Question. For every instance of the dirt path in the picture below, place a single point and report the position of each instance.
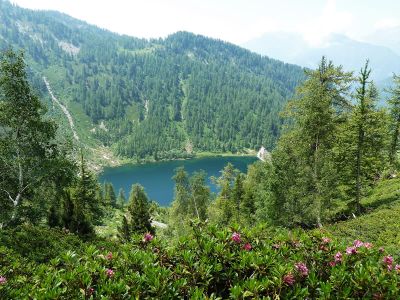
(64, 109)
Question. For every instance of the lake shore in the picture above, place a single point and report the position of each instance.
(99, 167)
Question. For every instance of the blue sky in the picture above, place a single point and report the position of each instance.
(236, 21)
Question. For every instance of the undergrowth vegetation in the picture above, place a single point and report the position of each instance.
(209, 263)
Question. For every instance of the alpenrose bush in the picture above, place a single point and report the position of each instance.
(213, 263)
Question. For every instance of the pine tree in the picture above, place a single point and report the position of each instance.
(121, 200)
(361, 142)
(303, 159)
(238, 196)
(124, 231)
(86, 207)
(200, 195)
(181, 202)
(394, 105)
(138, 209)
(109, 195)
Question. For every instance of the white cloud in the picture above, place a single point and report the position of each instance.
(387, 23)
(329, 21)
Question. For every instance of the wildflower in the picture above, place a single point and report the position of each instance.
(389, 267)
(351, 250)
(326, 240)
(247, 247)
(301, 268)
(109, 256)
(3, 280)
(397, 268)
(148, 237)
(388, 260)
(109, 273)
(368, 245)
(338, 257)
(358, 244)
(236, 237)
(289, 279)
(332, 263)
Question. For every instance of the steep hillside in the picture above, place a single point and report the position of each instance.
(151, 99)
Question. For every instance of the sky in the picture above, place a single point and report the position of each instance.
(236, 21)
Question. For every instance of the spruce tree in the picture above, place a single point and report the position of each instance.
(394, 106)
(138, 209)
(360, 152)
(303, 160)
(124, 231)
(121, 200)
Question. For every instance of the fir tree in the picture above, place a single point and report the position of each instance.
(394, 105)
(138, 209)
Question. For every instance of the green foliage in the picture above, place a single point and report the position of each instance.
(109, 195)
(303, 159)
(154, 99)
(207, 263)
(38, 244)
(32, 162)
(82, 208)
(138, 209)
(394, 105)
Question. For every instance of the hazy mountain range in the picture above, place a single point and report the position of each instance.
(382, 49)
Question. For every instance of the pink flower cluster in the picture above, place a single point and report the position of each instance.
(301, 268)
(388, 261)
(351, 250)
(247, 247)
(148, 237)
(338, 258)
(109, 273)
(289, 279)
(3, 280)
(236, 237)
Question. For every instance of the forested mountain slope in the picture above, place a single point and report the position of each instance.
(156, 99)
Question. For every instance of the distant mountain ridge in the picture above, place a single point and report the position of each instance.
(151, 99)
(339, 48)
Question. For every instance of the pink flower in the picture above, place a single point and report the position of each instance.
(289, 279)
(236, 237)
(326, 240)
(351, 250)
(301, 268)
(388, 260)
(368, 245)
(338, 257)
(332, 263)
(148, 237)
(389, 267)
(247, 247)
(109, 273)
(358, 244)
(397, 268)
(109, 256)
(3, 280)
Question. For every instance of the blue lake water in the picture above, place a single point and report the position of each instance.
(156, 178)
